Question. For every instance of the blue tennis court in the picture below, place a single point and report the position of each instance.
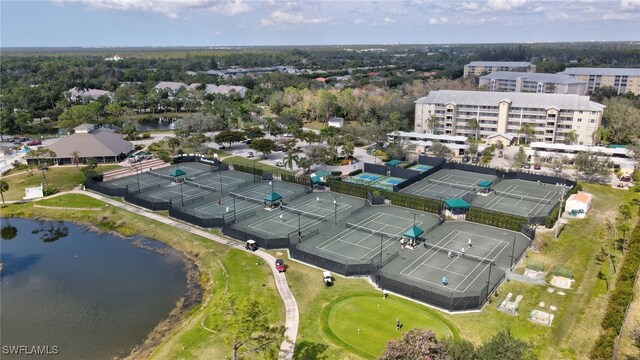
(391, 181)
(367, 176)
(420, 167)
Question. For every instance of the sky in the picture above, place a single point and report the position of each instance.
(111, 23)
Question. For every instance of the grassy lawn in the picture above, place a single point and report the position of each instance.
(248, 162)
(247, 275)
(72, 201)
(315, 125)
(61, 177)
(365, 323)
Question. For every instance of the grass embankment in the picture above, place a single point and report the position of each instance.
(577, 318)
(315, 125)
(188, 339)
(250, 163)
(62, 178)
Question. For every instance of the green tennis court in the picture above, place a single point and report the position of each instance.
(521, 197)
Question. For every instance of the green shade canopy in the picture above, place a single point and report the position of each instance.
(457, 203)
(315, 180)
(177, 172)
(393, 162)
(413, 232)
(484, 183)
(322, 173)
(274, 196)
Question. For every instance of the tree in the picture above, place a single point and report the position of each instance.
(229, 136)
(592, 164)
(504, 346)
(459, 349)
(4, 187)
(245, 327)
(8, 232)
(265, 146)
(570, 137)
(621, 118)
(527, 130)
(440, 150)
(290, 160)
(78, 114)
(635, 150)
(89, 170)
(173, 143)
(253, 132)
(601, 135)
(75, 158)
(474, 124)
(348, 149)
(433, 122)
(45, 158)
(414, 344)
(271, 126)
(129, 129)
(519, 159)
(304, 163)
(473, 149)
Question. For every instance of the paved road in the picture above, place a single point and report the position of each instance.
(291, 306)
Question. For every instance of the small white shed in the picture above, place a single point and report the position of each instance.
(578, 205)
(336, 122)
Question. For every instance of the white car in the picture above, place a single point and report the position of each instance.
(280, 164)
(250, 154)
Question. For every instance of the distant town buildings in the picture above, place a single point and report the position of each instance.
(174, 87)
(114, 58)
(77, 94)
(551, 117)
(479, 68)
(507, 81)
(623, 80)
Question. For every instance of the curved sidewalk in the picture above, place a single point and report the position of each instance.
(290, 304)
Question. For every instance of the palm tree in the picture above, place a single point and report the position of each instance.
(4, 186)
(348, 149)
(304, 163)
(432, 122)
(290, 160)
(570, 137)
(475, 125)
(271, 126)
(75, 158)
(527, 130)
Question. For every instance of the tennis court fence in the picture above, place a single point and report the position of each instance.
(453, 185)
(264, 242)
(182, 213)
(332, 263)
(525, 197)
(147, 202)
(304, 213)
(106, 190)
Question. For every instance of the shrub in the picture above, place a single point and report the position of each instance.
(146, 136)
(49, 191)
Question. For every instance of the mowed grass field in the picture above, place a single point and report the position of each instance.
(364, 323)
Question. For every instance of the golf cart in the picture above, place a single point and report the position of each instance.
(327, 278)
(251, 245)
(280, 265)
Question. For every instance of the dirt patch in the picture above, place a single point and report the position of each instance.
(67, 208)
(561, 282)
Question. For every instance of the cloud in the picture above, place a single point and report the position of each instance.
(612, 15)
(470, 6)
(389, 21)
(280, 18)
(442, 20)
(629, 3)
(505, 4)
(477, 21)
(171, 9)
(358, 21)
(539, 8)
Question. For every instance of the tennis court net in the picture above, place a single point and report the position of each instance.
(525, 197)
(455, 185)
(257, 201)
(161, 176)
(451, 252)
(371, 231)
(304, 213)
(200, 186)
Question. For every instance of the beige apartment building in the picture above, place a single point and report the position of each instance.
(551, 116)
(507, 81)
(623, 80)
(479, 68)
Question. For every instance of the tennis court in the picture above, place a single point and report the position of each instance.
(441, 258)
(363, 178)
(521, 197)
(363, 235)
(221, 180)
(420, 167)
(446, 184)
(315, 210)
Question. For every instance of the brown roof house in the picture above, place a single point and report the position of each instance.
(102, 144)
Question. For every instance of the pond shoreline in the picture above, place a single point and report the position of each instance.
(193, 297)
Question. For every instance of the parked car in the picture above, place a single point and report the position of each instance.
(34, 142)
(23, 139)
(279, 163)
(250, 154)
(222, 147)
(466, 159)
(280, 148)
(526, 166)
(557, 168)
(475, 159)
(537, 167)
(248, 141)
(280, 265)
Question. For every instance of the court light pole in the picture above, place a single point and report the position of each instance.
(489, 279)
(138, 178)
(299, 228)
(380, 250)
(220, 172)
(513, 248)
(234, 208)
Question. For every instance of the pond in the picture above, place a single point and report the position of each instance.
(81, 294)
(155, 124)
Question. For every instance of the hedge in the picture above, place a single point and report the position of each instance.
(348, 189)
(296, 179)
(355, 172)
(553, 216)
(505, 221)
(621, 297)
(408, 165)
(247, 169)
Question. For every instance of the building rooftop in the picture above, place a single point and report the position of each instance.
(98, 143)
(602, 71)
(429, 136)
(500, 63)
(171, 85)
(538, 77)
(530, 100)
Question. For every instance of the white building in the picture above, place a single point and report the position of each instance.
(87, 95)
(171, 86)
(578, 205)
(423, 141)
(533, 83)
(550, 116)
(618, 155)
(623, 80)
(336, 122)
(221, 89)
(479, 68)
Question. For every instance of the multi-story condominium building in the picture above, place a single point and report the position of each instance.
(623, 80)
(549, 116)
(533, 83)
(479, 68)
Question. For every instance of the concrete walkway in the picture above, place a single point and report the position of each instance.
(290, 304)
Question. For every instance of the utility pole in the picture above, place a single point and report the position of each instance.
(335, 209)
